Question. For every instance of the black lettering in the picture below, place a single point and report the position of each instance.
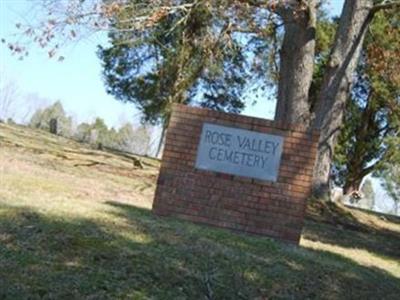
(253, 145)
(228, 157)
(250, 160)
(228, 140)
(243, 157)
(267, 147)
(208, 137)
(214, 138)
(210, 153)
(217, 138)
(275, 146)
(240, 141)
(220, 155)
(236, 158)
(264, 161)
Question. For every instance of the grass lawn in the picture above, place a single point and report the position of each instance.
(76, 223)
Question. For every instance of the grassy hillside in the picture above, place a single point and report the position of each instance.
(75, 223)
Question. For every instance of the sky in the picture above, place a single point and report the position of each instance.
(76, 81)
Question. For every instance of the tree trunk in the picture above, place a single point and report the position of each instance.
(296, 63)
(351, 186)
(357, 159)
(162, 139)
(354, 177)
(328, 111)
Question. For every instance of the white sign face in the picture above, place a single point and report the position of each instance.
(239, 152)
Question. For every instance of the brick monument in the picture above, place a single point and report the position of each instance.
(237, 172)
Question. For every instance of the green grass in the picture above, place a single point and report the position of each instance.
(71, 230)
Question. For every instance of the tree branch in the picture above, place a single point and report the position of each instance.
(385, 5)
(368, 170)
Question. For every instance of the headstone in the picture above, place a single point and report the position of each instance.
(53, 126)
(93, 136)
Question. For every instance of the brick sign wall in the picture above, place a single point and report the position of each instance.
(236, 172)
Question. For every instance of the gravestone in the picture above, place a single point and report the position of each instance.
(53, 126)
(237, 172)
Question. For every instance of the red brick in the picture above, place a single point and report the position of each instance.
(238, 203)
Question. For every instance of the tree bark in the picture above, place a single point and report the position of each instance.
(356, 166)
(328, 111)
(162, 139)
(296, 62)
(351, 186)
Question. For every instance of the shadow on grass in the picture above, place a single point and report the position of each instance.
(391, 218)
(329, 223)
(143, 256)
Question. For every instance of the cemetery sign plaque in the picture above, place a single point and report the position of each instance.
(239, 152)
